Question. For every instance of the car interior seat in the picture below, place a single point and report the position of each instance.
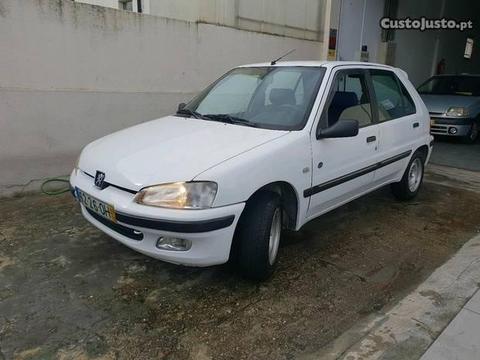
(341, 101)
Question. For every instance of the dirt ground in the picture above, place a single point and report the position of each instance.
(68, 291)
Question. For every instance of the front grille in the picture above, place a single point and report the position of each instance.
(439, 129)
(122, 230)
(107, 184)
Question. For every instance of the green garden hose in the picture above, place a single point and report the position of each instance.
(58, 189)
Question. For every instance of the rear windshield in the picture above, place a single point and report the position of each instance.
(267, 97)
(451, 85)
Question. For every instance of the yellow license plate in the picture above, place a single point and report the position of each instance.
(97, 206)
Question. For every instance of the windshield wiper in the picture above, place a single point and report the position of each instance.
(217, 117)
(192, 113)
(230, 119)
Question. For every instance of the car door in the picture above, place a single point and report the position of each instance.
(398, 124)
(342, 167)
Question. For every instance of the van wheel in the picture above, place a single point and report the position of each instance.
(258, 236)
(411, 181)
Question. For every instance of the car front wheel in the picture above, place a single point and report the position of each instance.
(412, 179)
(472, 135)
(258, 236)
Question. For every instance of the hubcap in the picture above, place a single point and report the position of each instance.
(275, 232)
(415, 175)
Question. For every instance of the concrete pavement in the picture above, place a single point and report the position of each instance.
(451, 152)
(461, 338)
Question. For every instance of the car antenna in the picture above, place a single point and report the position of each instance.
(281, 57)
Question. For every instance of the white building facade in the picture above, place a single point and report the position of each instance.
(140, 6)
(303, 19)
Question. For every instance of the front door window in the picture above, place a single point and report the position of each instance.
(350, 99)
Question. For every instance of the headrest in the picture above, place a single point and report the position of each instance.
(344, 99)
(282, 97)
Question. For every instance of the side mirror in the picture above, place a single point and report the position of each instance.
(181, 106)
(341, 129)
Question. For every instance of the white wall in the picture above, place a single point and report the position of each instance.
(221, 12)
(348, 41)
(295, 18)
(107, 3)
(298, 18)
(359, 25)
(372, 33)
(114, 4)
(70, 73)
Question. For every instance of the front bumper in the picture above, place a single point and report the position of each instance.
(139, 227)
(451, 126)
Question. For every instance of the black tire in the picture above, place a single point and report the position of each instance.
(472, 136)
(253, 234)
(402, 190)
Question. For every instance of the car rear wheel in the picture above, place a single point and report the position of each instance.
(258, 236)
(412, 179)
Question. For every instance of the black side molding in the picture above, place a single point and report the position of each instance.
(394, 159)
(338, 181)
(353, 175)
(177, 226)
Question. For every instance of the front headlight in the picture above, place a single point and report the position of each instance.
(181, 195)
(457, 111)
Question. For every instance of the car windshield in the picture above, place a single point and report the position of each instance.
(451, 85)
(267, 97)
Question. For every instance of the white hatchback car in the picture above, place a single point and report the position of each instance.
(264, 148)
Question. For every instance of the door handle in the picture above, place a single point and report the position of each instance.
(415, 125)
(371, 139)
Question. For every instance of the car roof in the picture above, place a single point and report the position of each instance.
(329, 64)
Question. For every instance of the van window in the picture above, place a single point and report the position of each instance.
(393, 99)
(350, 99)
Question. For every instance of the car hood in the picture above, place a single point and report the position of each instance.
(169, 149)
(441, 103)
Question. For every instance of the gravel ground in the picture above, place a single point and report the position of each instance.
(67, 291)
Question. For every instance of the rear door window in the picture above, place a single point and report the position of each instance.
(392, 97)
